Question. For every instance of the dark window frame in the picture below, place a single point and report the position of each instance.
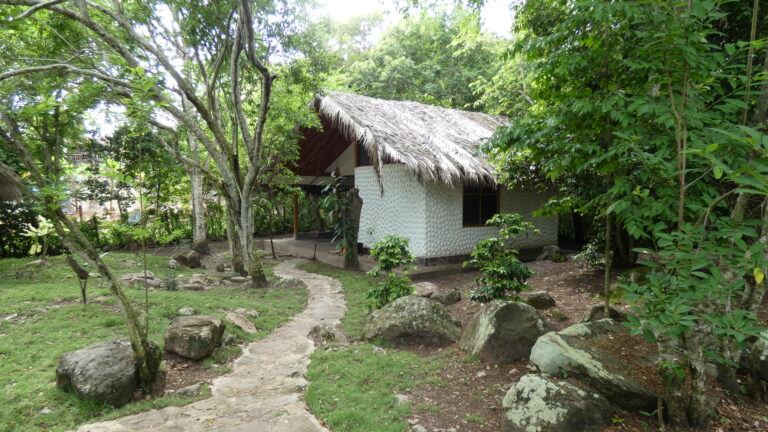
(484, 193)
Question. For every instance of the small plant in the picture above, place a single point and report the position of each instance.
(591, 256)
(40, 236)
(390, 253)
(501, 270)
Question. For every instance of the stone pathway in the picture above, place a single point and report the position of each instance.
(263, 392)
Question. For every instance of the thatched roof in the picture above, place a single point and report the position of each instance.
(8, 189)
(437, 144)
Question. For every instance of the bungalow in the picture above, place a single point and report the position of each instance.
(419, 172)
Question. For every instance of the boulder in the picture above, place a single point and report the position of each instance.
(589, 352)
(424, 289)
(503, 332)
(191, 259)
(446, 296)
(138, 278)
(189, 391)
(597, 312)
(412, 318)
(756, 364)
(242, 322)
(538, 299)
(537, 404)
(323, 334)
(104, 372)
(173, 264)
(187, 311)
(552, 253)
(195, 336)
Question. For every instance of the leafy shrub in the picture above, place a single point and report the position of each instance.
(501, 270)
(591, 256)
(390, 253)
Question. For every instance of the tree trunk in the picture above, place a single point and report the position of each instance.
(355, 207)
(199, 238)
(608, 264)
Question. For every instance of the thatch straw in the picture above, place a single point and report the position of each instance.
(436, 144)
(8, 189)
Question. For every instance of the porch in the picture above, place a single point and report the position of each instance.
(323, 251)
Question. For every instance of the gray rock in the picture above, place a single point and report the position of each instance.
(538, 299)
(195, 336)
(238, 279)
(189, 391)
(597, 312)
(424, 289)
(503, 332)
(756, 363)
(552, 253)
(323, 334)
(402, 399)
(534, 404)
(193, 286)
(418, 428)
(288, 283)
(187, 311)
(242, 322)
(104, 372)
(228, 339)
(173, 264)
(412, 318)
(46, 411)
(190, 259)
(575, 352)
(446, 296)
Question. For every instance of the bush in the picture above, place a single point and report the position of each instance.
(390, 253)
(501, 270)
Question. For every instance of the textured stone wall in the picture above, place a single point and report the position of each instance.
(447, 237)
(429, 215)
(399, 211)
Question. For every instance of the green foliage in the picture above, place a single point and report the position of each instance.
(388, 291)
(390, 253)
(432, 57)
(40, 234)
(339, 209)
(640, 112)
(501, 271)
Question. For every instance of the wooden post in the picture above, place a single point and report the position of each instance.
(295, 213)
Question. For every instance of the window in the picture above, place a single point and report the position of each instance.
(480, 204)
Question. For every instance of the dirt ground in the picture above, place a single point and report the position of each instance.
(469, 394)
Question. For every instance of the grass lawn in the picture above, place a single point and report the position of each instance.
(50, 321)
(353, 389)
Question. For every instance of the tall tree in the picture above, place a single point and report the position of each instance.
(139, 53)
(654, 100)
(433, 57)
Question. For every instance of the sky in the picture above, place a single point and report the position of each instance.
(495, 15)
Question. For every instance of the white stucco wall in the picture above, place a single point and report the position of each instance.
(430, 215)
(447, 237)
(400, 211)
(345, 163)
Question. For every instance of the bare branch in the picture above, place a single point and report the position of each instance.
(28, 13)
(67, 68)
